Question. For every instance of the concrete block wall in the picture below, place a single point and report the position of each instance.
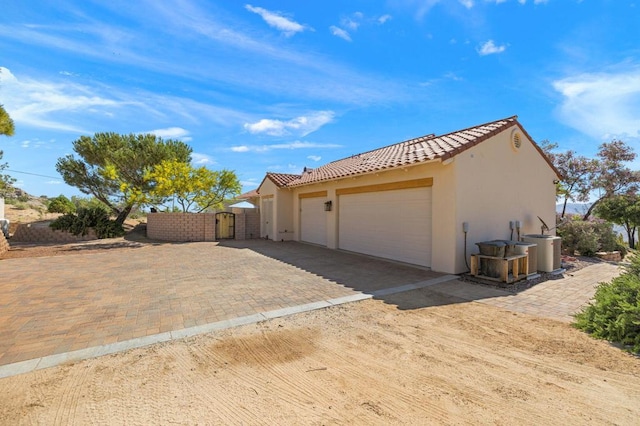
(181, 226)
(240, 225)
(199, 226)
(42, 233)
(252, 224)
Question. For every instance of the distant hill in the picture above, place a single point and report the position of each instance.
(574, 208)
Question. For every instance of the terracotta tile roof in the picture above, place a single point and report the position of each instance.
(412, 151)
(281, 179)
(250, 194)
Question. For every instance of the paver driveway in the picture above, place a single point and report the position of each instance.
(53, 305)
(138, 296)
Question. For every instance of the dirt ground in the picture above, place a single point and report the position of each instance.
(363, 363)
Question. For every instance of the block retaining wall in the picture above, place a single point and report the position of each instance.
(42, 233)
(4, 244)
(200, 226)
(614, 256)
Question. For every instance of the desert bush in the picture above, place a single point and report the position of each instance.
(614, 314)
(588, 237)
(86, 218)
(20, 205)
(61, 204)
(89, 203)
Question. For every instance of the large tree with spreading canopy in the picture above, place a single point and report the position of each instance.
(114, 168)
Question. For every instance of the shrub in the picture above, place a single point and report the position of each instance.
(86, 218)
(19, 205)
(88, 203)
(614, 314)
(588, 237)
(61, 204)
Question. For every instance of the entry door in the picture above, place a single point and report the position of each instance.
(225, 226)
(266, 213)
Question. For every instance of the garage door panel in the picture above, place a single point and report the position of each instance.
(313, 221)
(391, 224)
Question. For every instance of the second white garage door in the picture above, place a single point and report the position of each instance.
(313, 220)
(390, 224)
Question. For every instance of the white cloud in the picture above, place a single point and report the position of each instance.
(384, 18)
(172, 133)
(301, 126)
(33, 103)
(53, 182)
(466, 3)
(350, 24)
(339, 32)
(288, 146)
(602, 105)
(201, 159)
(69, 106)
(490, 48)
(277, 20)
(315, 158)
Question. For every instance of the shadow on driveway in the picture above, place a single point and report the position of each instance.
(361, 273)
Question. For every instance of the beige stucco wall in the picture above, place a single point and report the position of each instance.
(486, 186)
(496, 184)
(281, 226)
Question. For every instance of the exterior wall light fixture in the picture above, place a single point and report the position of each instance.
(327, 206)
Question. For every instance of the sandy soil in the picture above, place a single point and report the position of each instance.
(364, 363)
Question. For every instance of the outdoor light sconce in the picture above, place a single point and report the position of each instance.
(327, 206)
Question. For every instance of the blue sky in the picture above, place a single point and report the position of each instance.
(280, 85)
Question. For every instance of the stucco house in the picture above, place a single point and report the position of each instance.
(413, 201)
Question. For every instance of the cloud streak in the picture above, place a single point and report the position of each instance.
(602, 105)
(301, 126)
(277, 20)
(286, 146)
(490, 48)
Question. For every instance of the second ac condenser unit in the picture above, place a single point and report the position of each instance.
(549, 251)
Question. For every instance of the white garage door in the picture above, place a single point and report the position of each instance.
(313, 220)
(390, 224)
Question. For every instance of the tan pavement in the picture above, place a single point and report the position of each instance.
(53, 305)
(556, 298)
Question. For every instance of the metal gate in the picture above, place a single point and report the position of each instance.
(225, 226)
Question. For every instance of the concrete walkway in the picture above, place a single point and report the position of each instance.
(60, 309)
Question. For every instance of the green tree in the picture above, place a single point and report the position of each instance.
(198, 188)
(6, 181)
(612, 176)
(113, 168)
(6, 123)
(622, 210)
(577, 173)
(61, 204)
(6, 128)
